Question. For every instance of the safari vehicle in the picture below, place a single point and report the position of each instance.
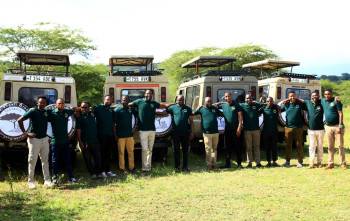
(277, 83)
(212, 77)
(132, 76)
(38, 74)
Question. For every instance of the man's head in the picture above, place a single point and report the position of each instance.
(315, 96)
(42, 102)
(149, 95)
(228, 97)
(207, 101)
(125, 100)
(107, 100)
(249, 98)
(60, 104)
(292, 96)
(269, 101)
(180, 100)
(328, 94)
(84, 106)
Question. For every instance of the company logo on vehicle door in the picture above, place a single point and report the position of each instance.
(9, 113)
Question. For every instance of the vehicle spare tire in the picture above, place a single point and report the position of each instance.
(163, 124)
(71, 122)
(261, 121)
(282, 116)
(9, 128)
(221, 125)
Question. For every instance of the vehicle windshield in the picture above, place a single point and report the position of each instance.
(304, 94)
(237, 94)
(134, 94)
(29, 95)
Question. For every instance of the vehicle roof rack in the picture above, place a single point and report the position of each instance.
(271, 64)
(208, 61)
(138, 73)
(294, 75)
(43, 58)
(130, 60)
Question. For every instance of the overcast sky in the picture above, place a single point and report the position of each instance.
(316, 33)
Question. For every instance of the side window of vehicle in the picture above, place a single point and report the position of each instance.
(189, 97)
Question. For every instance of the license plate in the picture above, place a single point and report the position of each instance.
(137, 79)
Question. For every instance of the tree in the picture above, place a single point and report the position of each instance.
(243, 54)
(44, 36)
(89, 81)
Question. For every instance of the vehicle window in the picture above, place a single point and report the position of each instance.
(29, 95)
(134, 94)
(189, 97)
(304, 94)
(237, 94)
(131, 68)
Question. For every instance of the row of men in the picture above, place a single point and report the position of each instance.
(98, 130)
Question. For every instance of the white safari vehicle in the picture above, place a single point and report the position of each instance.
(38, 74)
(277, 83)
(133, 75)
(212, 77)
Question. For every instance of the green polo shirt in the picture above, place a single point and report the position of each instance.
(251, 114)
(331, 109)
(209, 119)
(87, 125)
(180, 116)
(230, 112)
(59, 123)
(39, 120)
(314, 115)
(146, 113)
(104, 119)
(294, 114)
(123, 120)
(270, 119)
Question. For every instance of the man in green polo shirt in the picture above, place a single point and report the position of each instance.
(182, 131)
(316, 129)
(146, 109)
(233, 115)
(269, 132)
(209, 114)
(335, 129)
(88, 141)
(294, 127)
(60, 150)
(125, 139)
(38, 142)
(251, 112)
(106, 132)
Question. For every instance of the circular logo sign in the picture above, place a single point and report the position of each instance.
(70, 125)
(163, 125)
(9, 128)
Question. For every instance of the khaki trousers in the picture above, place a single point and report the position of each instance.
(147, 142)
(294, 134)
(252, 144)
(128, 143)
(316, 145)
(333, 135)
(38, 147)
(211, 143)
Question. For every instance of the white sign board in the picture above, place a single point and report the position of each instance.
(230, 78)
(137, 79)
(299, 80)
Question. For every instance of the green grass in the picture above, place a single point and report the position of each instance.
(248, 194)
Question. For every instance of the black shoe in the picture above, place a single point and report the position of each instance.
(133, 171)
(239, 166)
(269, 164)
(259, 165)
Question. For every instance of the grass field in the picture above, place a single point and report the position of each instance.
(247, 194)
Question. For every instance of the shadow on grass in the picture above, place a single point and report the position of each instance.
(22, 206)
